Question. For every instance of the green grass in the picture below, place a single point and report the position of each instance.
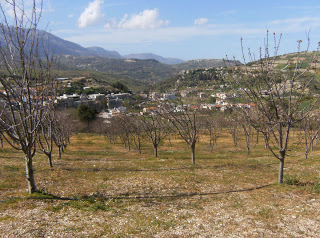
(291, 180)
(266, 213)
(11, 168)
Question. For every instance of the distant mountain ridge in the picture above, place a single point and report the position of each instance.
(154, 56)
(147, 67)
(101, 52)
(63, 47)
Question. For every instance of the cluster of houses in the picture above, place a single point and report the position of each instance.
(222, 101)
(202, 107)
(112, 104)
(110, 100)
(18, 97)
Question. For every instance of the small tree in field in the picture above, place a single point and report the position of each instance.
(154, 127)
(45, 136)
(311, 130)
(62, 129)
(212, 123)
(278, 95)
(187, 124)
(26, 79)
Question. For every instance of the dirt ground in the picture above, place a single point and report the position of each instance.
(101, 190)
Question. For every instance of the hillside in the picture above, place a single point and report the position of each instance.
(289, 61)
(101, 52)
(148, 70)
(205, 64)
(170, 61)
(140, 70)
(75, 60)
(64, 47)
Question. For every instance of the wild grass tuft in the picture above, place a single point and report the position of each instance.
(291, 180)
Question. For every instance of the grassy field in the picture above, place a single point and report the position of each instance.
(101, 190)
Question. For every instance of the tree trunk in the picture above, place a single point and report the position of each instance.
(128, 141)
(59, 151)
(211, 141)
(139, 145)
(155, 148)
(29, 175)
(211, 146)
(50, 159)
(193, 153)
(265, 142)
(169, 139)
(280, 179)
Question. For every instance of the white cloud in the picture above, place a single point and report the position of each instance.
(148, 19)
(165, 34)
(92, 15)
(201, 21)
(299, 24)
(70, 16)
(112, 34)
(300, 20)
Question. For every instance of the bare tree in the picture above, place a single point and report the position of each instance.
(187, 124)
(248, 132)
(62, 130)
(27, 82)
(213, 126)
(232, 124)
(278, 96)
(45, 136)
(311, 130)
(136, 133)
(112, 131)
(154, 127)
(123, 123)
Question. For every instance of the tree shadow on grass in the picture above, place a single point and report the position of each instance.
(47, 196)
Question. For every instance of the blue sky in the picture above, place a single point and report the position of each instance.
(182, 28)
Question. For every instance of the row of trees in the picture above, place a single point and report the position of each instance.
(28, 120)
(133, 129)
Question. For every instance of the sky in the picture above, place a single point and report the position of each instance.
(185, 29)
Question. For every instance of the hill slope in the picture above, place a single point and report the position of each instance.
(206, 63)
(155, 57)
(141, 70)
(101, 52)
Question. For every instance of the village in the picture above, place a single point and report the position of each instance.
(112, 104)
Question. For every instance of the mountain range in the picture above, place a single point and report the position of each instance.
(64, 47)
(110, 65)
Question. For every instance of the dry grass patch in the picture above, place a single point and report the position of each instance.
(105, 190)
